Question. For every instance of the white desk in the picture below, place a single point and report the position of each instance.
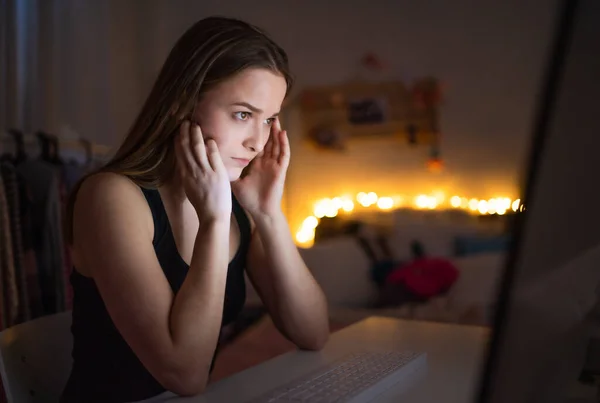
(455, 356)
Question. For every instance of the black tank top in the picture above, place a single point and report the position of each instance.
(105, 368)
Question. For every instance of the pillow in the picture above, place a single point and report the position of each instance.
(342, 269)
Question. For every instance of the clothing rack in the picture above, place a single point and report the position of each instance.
(35, 260)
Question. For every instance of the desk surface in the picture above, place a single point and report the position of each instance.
(455, 358)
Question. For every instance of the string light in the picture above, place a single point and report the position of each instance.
(515, 205)
(385, 203)
(473, 204)
(455, 201)
(331, 207)
(482, 206)
(347, 205)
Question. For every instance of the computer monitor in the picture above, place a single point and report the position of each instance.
(551, 283)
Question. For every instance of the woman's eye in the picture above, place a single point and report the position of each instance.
(270, 121)
(242, 115)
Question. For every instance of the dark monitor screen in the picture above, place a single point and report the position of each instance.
(550, 290)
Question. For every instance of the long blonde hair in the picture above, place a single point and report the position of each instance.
(209, 52)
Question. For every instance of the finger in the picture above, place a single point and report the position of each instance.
(276, 136)
(278, 130)
(198, 148)
(284, 155)
(214, 156)
(266, 152)
(184, 155)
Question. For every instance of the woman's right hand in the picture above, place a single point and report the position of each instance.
(203, 174)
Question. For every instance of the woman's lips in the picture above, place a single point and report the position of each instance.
(241, 161)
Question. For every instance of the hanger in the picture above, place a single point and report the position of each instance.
(45, 146)
(19, 155)
(50, 147)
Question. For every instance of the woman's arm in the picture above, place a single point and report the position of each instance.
(174, 337)
(286, 286)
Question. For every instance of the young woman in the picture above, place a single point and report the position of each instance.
(161, 236)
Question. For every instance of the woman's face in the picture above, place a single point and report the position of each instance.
(238, 114)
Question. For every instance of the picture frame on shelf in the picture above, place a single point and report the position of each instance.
(370, 110)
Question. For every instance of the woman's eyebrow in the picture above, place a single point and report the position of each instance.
(249, 106)
(252, 107)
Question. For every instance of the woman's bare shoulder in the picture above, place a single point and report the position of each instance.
(110, 211)
(107, 197)
(105, 185)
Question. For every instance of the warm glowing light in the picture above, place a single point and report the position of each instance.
(304, 236)
(371, 198)
(310, 222)
(337, 202)
(331, 207)
(320, 208)
(455, 201)
(492, 206)
(482, 206)
(347, 205)
(363, 199)
(366, 199)
(324, 207)
(331, 211)
(385, 203)
(422, 201)
(439, 197)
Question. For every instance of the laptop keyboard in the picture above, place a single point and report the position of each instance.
(359, 374)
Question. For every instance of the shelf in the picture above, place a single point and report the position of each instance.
(363, 110)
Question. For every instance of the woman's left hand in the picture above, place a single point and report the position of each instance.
(261, 190)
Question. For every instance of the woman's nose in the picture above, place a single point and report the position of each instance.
(256, 139)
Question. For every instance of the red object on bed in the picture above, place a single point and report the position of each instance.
(425, 277)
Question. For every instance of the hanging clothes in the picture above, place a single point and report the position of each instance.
(12, 193)
(7, 267)
(44, 183)
(35, 259)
